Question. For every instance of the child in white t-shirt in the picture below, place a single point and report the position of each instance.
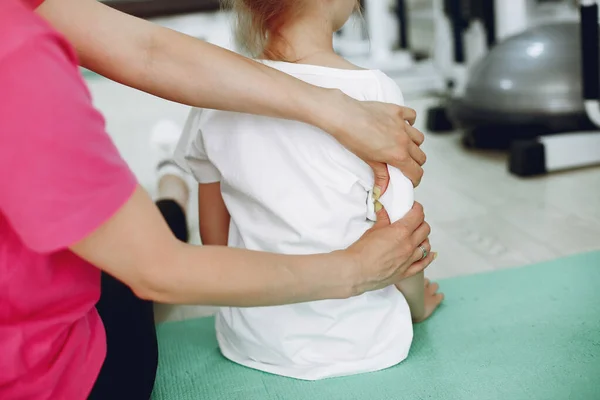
(286, 187)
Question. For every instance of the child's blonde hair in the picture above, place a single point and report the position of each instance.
(258, 21)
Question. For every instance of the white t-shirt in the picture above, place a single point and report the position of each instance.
(291, 188)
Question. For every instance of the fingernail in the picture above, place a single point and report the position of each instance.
(435, 255)
(376, 193)
(378, 206)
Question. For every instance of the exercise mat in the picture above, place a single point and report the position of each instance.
(524, 333)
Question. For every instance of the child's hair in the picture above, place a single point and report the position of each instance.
(258, 21)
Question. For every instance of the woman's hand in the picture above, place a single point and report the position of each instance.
(387, 254)
(136, 246)
(378, 133)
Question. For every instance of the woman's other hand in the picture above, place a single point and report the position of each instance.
(389, 253)
(379, 133)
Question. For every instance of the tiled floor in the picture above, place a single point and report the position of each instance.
(482, 218)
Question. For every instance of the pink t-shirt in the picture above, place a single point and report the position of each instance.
(61, 177)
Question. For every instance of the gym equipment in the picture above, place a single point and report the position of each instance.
(161, 8)
(577, 148)
(497, 336)
(474, 27)
(529, 95)
(466, 22)
(386, 29)
(528, 85)
(386, 46)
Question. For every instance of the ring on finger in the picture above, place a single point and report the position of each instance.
(424, 250)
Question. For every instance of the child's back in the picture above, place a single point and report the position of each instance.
(287, 187)
(291, 188)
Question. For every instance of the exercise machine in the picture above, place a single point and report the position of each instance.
(535, 94)
(526, 86)
(475, 28)
(385, 46)
(465, 31)
(574, 149)
(379, 39)
(161, 8)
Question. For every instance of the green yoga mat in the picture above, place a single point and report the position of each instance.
(525, 333)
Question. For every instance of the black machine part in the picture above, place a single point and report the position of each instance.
(527, 157)
(401, 14)
(530, 85)
(590, 50)
(460, 14)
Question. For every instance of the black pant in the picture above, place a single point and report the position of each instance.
(129, 370)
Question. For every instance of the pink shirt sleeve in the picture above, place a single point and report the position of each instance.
(61, 176)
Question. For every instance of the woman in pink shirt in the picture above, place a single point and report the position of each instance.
(71, 208)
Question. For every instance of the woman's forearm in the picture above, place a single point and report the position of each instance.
(234, 277)
(136, 246)
(186, 70)
(178, 67)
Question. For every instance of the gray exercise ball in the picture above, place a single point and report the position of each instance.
(530, 79)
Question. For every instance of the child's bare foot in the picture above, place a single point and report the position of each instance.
(432, 299)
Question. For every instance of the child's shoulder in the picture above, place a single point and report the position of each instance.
(390, 91)
(345, 74)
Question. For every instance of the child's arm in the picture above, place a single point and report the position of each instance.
(413, 289)
(213, 215)
(422, 296)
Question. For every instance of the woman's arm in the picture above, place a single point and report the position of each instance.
(136, 246)
(212, 215)
(180, 68)
(172, 65)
